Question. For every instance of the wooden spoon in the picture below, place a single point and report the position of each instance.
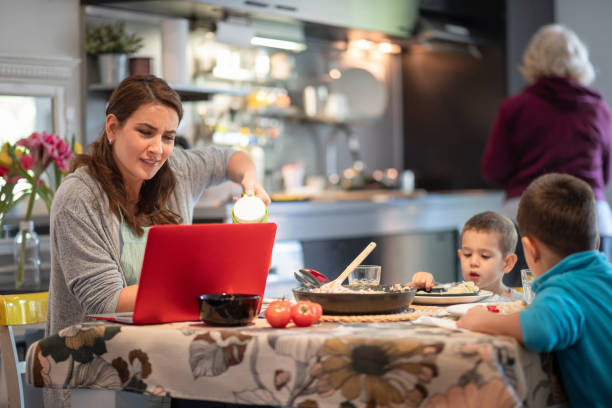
(358, 260)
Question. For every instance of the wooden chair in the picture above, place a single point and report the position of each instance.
(18, 309)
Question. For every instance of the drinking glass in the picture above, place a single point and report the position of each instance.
(526, 278)
(365, 275)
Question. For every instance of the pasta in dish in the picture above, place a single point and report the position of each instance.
(456, 289)
(343, 289)
(463, 287)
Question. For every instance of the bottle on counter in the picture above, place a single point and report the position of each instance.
(248, 209)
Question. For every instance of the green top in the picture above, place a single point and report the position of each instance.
(132, 253)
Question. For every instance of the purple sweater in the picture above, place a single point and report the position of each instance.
(554, 126)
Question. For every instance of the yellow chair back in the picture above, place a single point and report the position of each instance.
(17, 310)
(25, 308)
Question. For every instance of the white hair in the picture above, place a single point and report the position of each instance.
(556, 51)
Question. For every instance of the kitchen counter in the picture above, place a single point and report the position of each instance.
(380, 215)
(333, 214)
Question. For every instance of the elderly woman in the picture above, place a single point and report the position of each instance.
(557, 124)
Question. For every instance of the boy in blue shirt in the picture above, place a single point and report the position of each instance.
(571, 313)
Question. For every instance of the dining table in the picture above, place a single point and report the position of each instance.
(342, 361)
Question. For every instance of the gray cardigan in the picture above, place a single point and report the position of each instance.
(86, 276)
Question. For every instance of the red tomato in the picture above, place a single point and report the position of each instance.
(303, 314)
(278, 313)
(317, 310)
(492, 308)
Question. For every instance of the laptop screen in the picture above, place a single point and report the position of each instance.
(182, 262)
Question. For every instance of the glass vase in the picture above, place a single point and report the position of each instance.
(27, 259)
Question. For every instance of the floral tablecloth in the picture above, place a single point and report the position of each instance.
(326, 365)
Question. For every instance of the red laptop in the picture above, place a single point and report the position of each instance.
(181, 262)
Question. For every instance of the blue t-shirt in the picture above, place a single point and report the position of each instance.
(572, 315)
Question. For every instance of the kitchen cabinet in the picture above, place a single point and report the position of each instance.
(392, 17)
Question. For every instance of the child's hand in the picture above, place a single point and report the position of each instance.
(422, 280)
(480, 319)
(473, 318)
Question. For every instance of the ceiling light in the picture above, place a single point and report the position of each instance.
(363, 44)
(264, 33)
(335, 73)
(278, 43)
(389, 48)
(277, 34)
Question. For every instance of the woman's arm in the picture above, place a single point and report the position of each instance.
(84, 254)
(127, 299)
(242, 171)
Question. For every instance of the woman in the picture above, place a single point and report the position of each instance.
(557, 124)
(132, 179)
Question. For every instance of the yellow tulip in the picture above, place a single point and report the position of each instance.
(19, 151)
(5, 158)
(78, 149)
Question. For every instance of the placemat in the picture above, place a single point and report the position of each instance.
(412, 314)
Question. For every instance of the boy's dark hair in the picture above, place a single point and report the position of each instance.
(559, 210)
(490, 221)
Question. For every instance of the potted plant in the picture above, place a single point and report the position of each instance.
(111, 44)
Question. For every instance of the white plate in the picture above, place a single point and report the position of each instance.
(365, 94)
(451, 299)
(461, 309)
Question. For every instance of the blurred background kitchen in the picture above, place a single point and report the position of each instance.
(366, 120)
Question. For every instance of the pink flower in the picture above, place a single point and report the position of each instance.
(26, 161)
(45, 147)
(13, 179)
(3, 171)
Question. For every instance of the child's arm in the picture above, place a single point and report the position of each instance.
(480, 319)
(423, 280)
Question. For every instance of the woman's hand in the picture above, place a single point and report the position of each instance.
(252, 187)
(242, 171)
(423, 280)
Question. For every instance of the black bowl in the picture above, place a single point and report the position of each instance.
(227, 309)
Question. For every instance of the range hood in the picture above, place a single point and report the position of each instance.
(459, 26)
(447, 37)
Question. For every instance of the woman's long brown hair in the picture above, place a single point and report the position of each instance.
(131, 94)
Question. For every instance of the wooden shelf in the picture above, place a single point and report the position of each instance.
(301, 117)
(187, 92)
